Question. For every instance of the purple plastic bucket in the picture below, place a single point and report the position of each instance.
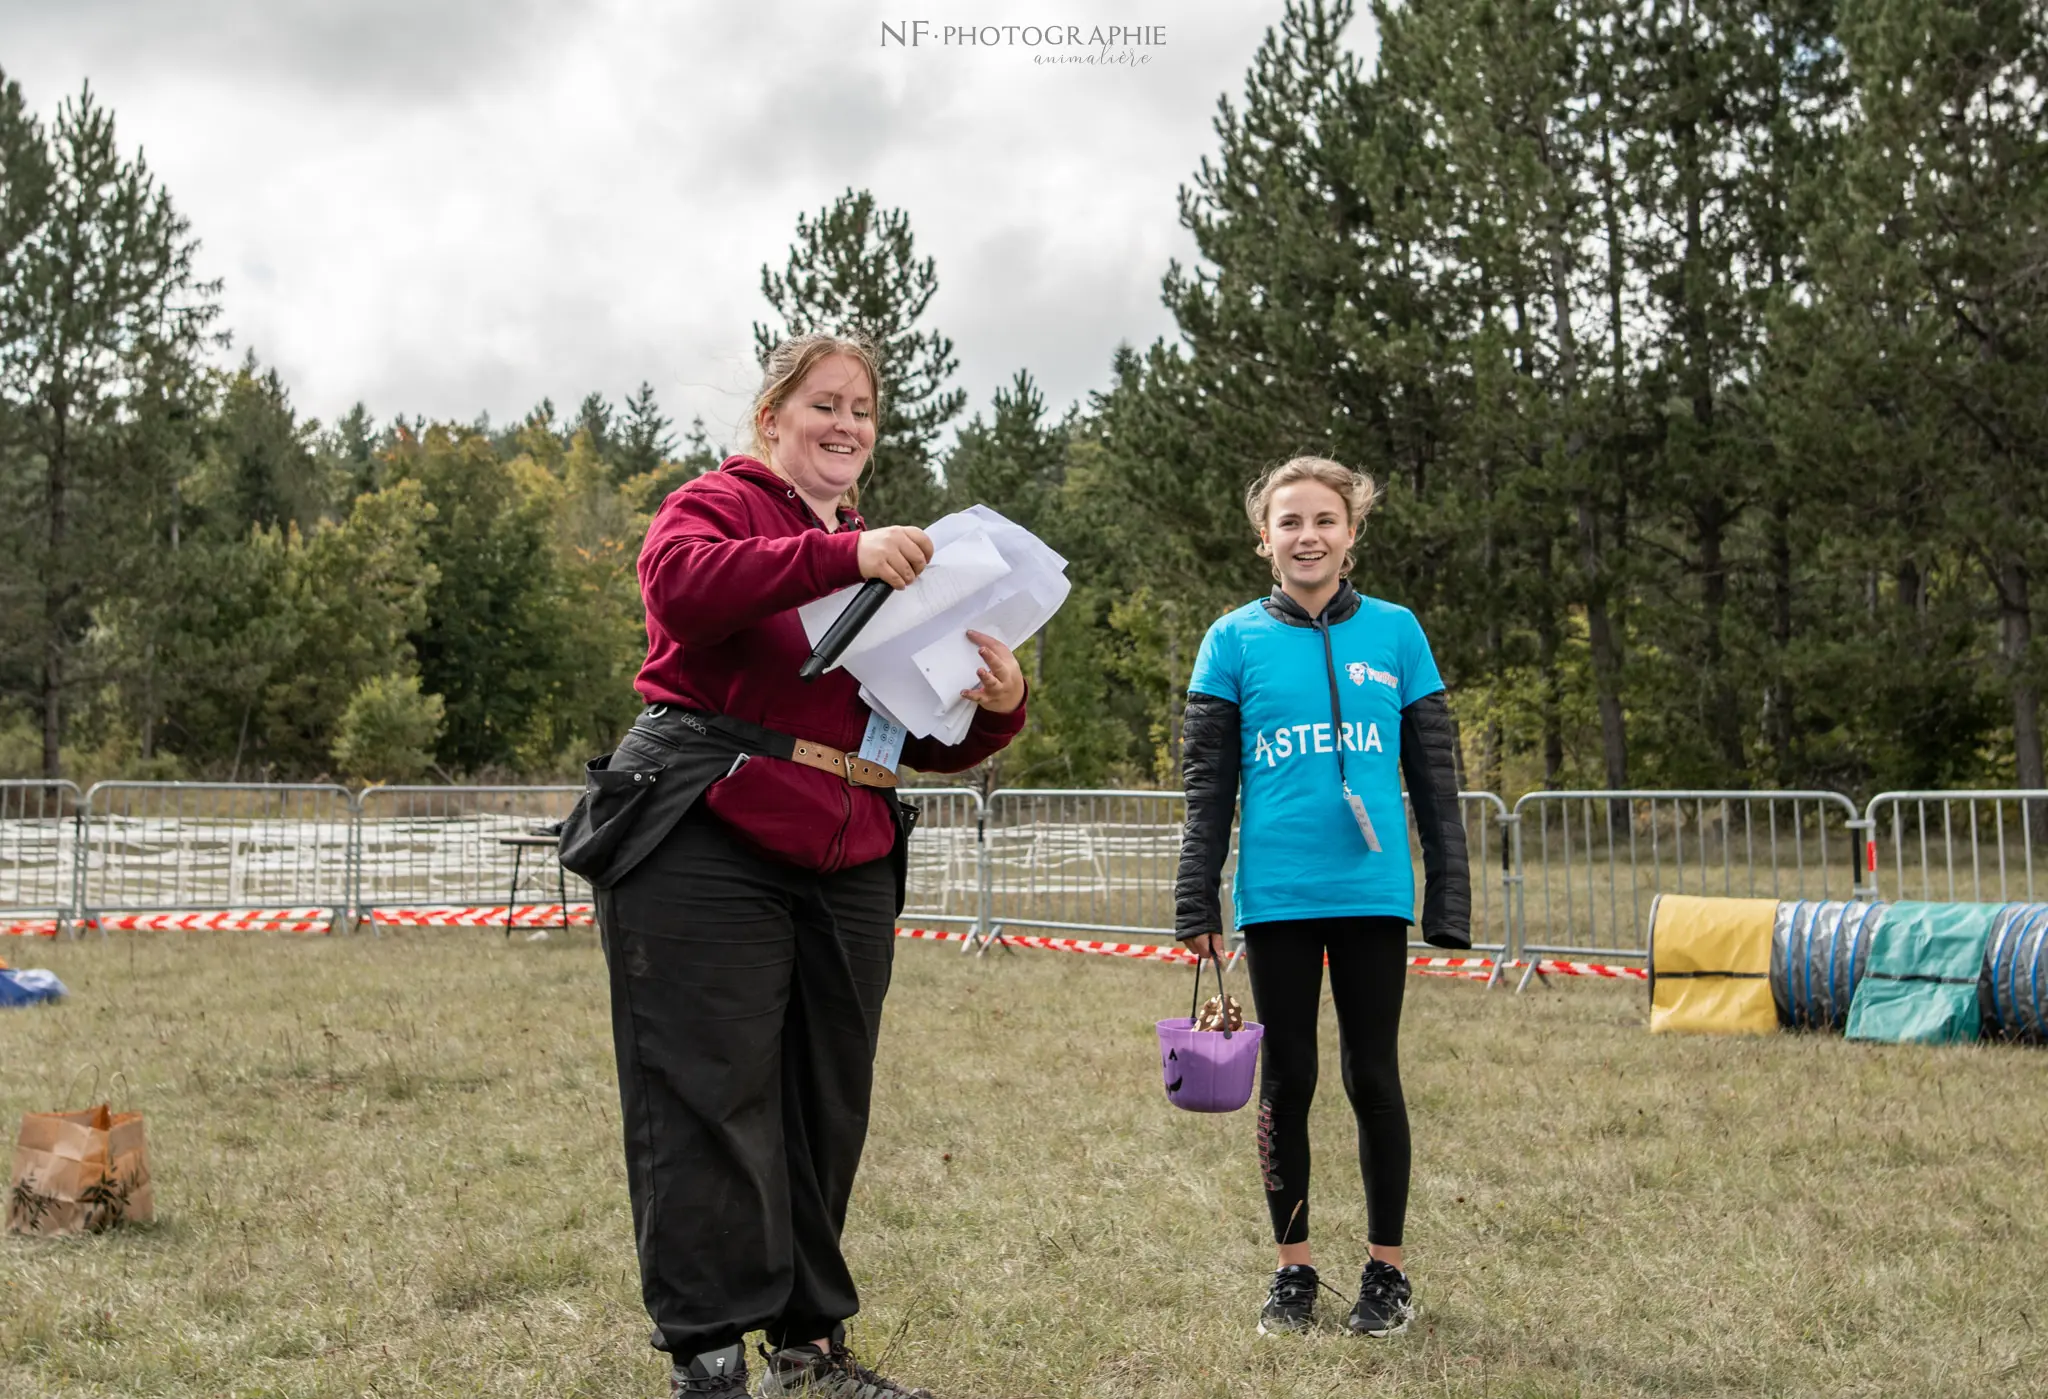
(1208, 1070)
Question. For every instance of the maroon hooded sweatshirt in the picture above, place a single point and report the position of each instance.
(727, 561)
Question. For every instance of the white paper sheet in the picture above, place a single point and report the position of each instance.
(914, 658)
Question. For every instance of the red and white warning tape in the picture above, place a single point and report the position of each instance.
(320, 920)
(247, 920)
(1477, 968)
(1140, 951)
(523, 916)
(309, 920)
(1589, 969)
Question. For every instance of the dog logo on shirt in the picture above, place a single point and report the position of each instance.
(1356, 670)
(1360, 672)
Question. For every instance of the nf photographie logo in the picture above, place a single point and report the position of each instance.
(1050, 45)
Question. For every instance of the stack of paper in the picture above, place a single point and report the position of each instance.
(913, 659)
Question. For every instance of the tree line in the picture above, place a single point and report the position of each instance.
(1696, 346)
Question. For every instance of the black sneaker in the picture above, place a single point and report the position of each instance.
(833, 1373)
(716, 1374)
(1290, 1302)
(1385, 1301)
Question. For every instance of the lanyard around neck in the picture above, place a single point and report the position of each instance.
(1336, 706)
(1351, 799)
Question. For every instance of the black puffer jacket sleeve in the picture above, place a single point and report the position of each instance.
(1429, 763)
(1210, 759)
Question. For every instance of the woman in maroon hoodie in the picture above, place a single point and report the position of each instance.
(754, 876)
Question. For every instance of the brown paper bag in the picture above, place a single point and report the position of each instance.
(79, 1173)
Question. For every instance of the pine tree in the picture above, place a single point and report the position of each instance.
(350, 451)
(644, 439)
(260, 466)
(854, 270)
(1505, 105)
(103, 321)
(1013, 463)
(594, 417)
(1928, 309)
(1306, 329)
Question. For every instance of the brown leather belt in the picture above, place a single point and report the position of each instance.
(851, 766)
(662, 717)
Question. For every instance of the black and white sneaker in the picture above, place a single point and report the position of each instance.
(716, 1374)
(1385, 1303)
(1290, 1301)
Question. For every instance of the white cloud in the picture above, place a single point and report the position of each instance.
(467, 205)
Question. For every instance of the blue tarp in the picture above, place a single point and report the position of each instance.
(26, 988)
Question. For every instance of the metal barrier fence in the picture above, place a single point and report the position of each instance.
(948, 878)
(1997, 831)
(39, 834)
(1104, 861)
(1562, 874)
(182, 847)
(1077, 860)
(1591, 862)
(447, 855)
(1489, 843)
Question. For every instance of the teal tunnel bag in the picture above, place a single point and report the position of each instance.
(1920, 986)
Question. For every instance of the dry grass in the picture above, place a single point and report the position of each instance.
(391, 1168)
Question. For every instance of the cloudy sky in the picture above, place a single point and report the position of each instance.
(457, 206)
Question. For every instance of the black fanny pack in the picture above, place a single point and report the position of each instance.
(634, 795)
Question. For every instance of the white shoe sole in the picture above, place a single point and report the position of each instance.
(1264, 1330)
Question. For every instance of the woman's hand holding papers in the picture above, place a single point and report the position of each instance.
(896, 554)
(1002, 679)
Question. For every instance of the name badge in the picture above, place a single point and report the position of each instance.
(1357, 805)
(883, 742)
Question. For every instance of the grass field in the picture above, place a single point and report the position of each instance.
(391, 1167)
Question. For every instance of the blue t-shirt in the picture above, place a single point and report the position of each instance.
(1299, 850)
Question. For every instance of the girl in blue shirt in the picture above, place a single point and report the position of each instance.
(1312, 704)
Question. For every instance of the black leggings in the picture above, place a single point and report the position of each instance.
(1368, 969)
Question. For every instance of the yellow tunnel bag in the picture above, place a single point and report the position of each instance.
(1710, 965)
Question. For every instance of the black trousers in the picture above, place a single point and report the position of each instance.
(746, 1000)
(1368, 971)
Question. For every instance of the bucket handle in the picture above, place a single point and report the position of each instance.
(1195, 1004)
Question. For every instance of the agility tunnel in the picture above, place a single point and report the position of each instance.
(1710, 965)
(1920, 973)
(2012, 995)
(1819, 952)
